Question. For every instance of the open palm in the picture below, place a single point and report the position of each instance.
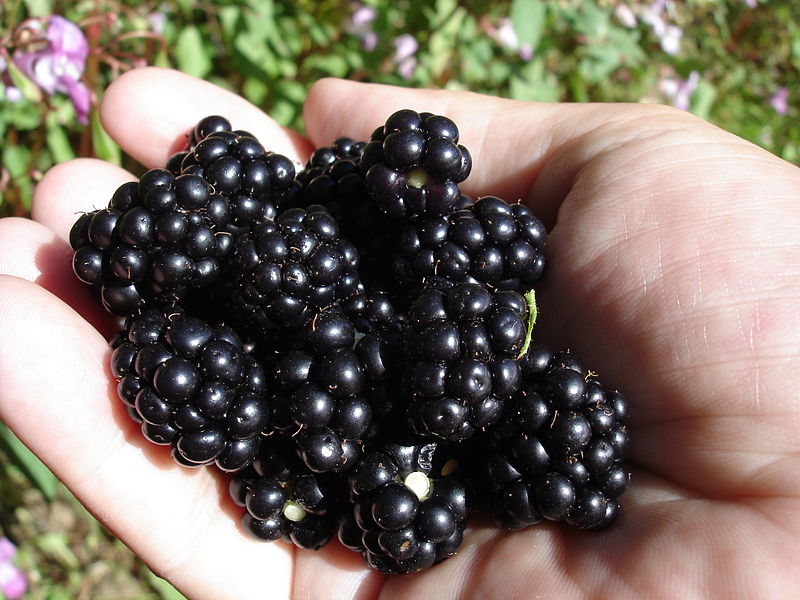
(672, 270)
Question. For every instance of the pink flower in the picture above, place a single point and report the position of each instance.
(780, 101)
(668, 35)
(59, 65)
(369, 41)
(506, 35)
(363, 16)
(157, 21)
(360, 25)
(405, 47)
(625, 15)
(12, 92)
(679, 91)
(12, 581)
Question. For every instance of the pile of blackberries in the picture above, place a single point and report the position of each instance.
(352, 342)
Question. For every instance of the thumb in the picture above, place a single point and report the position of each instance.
(520, 150)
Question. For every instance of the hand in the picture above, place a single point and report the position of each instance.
(672, 271)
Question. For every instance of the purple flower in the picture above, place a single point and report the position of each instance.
(780, 101)
(405, 47)
(669, 36)
(363, 16)
(679, 91)
(505, 35)
(157, 20)
(369, 41)
(12, 92)
(751, 3)
(360, 25)
(12, 581)
(59, 65)
(625, 15)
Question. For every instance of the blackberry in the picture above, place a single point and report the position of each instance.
(410, 512)
(373, 309)
(335, 179)
(414, 164)
(321, 173)
(463, 345)
(257, 184)
(488, 242)
(284, 271)
(159, 238)
(193, 387)
(284, 500)
(559, 451)
(320, 391)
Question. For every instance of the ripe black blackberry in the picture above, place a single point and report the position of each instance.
(559, 451)
(408, 513)
(192, 386)
(284, 271)
(319, 395)
(284, 500)
(257, 184)
(321, 173)
(335, 179)
(488, 242)
(463, 345)
(158, 238)
(414, 164)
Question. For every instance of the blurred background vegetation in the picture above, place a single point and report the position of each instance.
(733, 62)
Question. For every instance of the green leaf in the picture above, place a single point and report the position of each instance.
(17, 160)
(57, 546)
(703, 99)
(192, 53)
(255, 90)
(30, 91)
(39, 8)
(58, 141)
(534, 84)
(27, 462)
(332, 65)
(528, 17)
(230, 18)
(104, 147)
(163, 588)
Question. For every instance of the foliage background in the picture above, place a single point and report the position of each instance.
(733, 62)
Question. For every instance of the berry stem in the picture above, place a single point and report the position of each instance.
(533, 311)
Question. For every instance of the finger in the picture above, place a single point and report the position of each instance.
(520, 150)
(168, 104)
(33, 252)
(72, 188)
(57, 396)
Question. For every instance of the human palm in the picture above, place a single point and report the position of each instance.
(672, 271)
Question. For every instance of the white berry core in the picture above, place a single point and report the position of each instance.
(418, 483)
(293, 511)
(417, 178)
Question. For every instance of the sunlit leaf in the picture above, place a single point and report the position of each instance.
(528, 17)
(28, 463)
(104, 147)
(192, 52)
